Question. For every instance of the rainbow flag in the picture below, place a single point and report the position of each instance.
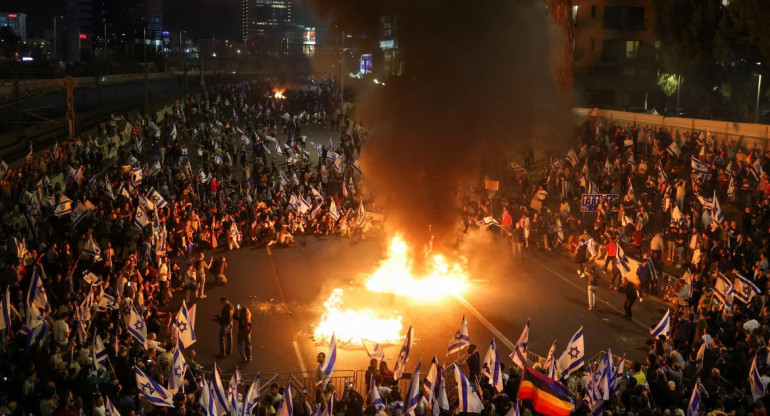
(548, 397)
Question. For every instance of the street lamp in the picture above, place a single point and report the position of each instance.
(54, 35)
(756, 109)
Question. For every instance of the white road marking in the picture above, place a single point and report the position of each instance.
(299, 357)
(496, 332)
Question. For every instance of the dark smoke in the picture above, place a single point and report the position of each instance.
(477, 88)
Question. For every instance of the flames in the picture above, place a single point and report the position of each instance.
(396, 275)
(278, 94)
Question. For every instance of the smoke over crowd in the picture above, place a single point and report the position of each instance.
(476, 90)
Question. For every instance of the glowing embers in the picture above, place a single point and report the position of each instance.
(437, 278)
(351, 325)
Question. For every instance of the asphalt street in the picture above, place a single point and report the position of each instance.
(284, 289)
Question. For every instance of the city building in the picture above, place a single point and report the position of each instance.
(391, 57)
(264, 24)
(616, 54)
(17, 22)
(78, 30)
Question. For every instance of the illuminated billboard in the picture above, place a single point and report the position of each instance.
(308, 36)
(366, 63)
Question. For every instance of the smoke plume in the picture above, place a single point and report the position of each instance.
(476, 90)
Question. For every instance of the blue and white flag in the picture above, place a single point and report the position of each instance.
(64, 207)
(622, 261)
(36, 293)
(78, 175)
(100, 356)
(232, 391)
(109, 408)
(605, 375)
(316, 195)
(304, 205)
(155, 168)
(333, 211)
(403, 355)
(439, 392)
(617, 376)
(430, 377)
(374, 395)
(573, 356)
(287, 406)
(123, 191)
(5, 310)
(758, 388)
(331, 358)
(251, 399)
(178, 369)
(469, 401)
(218, 392)
(80, 213)
(145, 203)
(744, 289)
(514, 410)
(415, 394)
(492, 368)
(693, 406)
(717, 217)
(136, 326)
(136, 176)
(376, 351)
(698, 166)
(92, 249)
(156, 198)
(294, 203)
(519, 354)
(152, 390)
(461, 338)
(141, 219)
(550, 363)
(183, 327)
(663, 327)
(723, 290)
(207, 400)
(700, 357)
(673, 149)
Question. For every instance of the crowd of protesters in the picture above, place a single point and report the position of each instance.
(121, 220)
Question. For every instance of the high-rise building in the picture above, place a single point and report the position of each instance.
(616, 53)
(267, 16)
(78, 30)
(17, 22)
(154, 19)
(245, 19)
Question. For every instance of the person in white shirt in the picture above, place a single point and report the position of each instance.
(61, 330)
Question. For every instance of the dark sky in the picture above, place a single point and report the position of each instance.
(201, 18)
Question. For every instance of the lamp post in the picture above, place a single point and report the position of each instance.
(55, 54)
(146, 82)
(756, 109)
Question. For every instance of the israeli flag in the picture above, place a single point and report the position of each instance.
(110, 408)
(698, 166)
(673, 149)
(414, 395)
(550, 363)
(152, 391)
(439, 392)
(617, 376)
(140, 219)
(430, 378)
(5, 310)
(403, 355)
(218, 391)
(623, 263)
(316, 195)
(136, 176)
(36, 293)
(492, 369)
(374, 395)
(519, 354)
(304, 205)
(573, 356)
(700, 356)
(331, 358)
(333, 211)
(183, 327)
(717, 217)
(693, 406)
(232, 392)
(178, 369)
(723, 290)
(136, 326)
(744, 289)
(469, 402)
(156, 198)
(287, 406)
(461, 338)
(92, 249)
(514, 410)
(100, 356)
(251, 400)
(294, 203)
(318, 148)
(663, 327)
(207, 400)
(755, 381)
(64, 207)
(376, 351)
(79, 214)
(155, 168)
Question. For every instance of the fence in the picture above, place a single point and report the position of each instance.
(751, 136)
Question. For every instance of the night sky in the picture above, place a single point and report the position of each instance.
(201, 18)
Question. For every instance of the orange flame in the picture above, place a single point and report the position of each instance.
(395, 275)
(279, 94)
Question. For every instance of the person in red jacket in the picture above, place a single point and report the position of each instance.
(612, 251)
